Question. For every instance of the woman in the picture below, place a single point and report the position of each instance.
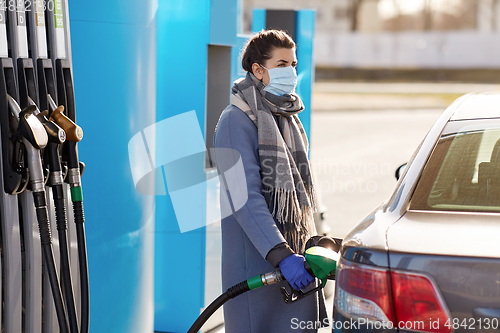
(271, 229)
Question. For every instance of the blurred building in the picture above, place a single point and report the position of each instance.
(387, 37)
(488, 15)
(331, 15)
(373, 16)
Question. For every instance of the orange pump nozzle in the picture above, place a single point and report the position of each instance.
(73, 131)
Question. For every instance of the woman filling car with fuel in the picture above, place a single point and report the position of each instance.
(262, 125)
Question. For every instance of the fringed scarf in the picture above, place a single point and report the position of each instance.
(287, 183)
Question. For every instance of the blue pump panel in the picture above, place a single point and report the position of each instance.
(305, 65)
(258, 20)
(183, 37)
(237, 70)
(223, 22)
(114, 71)
(187, 263)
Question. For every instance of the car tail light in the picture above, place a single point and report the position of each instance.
(417, 300)
(397, 299)
(364, 293)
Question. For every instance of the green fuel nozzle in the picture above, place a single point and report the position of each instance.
(321, 262)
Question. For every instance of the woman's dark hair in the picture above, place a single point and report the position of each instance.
(261, 46)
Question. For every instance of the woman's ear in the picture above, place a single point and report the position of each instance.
(258, 71)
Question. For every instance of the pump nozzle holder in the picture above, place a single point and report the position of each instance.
(73, 131)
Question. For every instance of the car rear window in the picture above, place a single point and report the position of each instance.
(463, 171)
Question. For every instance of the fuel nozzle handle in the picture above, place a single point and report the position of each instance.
(320, 262)
(34, 138)
(74, 132)
(55, 133)
(56, 136)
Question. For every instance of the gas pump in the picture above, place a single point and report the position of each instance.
(22, 137)
(32, 300)
(33, 206)
(30, 130)
(13, 181)
(37, 46)
(60, 54)
(32, 263)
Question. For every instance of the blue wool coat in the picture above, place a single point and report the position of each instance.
(247, 237)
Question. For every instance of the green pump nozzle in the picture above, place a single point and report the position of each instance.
(323, 262)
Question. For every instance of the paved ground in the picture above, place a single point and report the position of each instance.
(402, 87)
(354, 156)
(335, 96)
(361, 132)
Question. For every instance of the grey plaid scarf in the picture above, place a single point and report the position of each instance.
(287, 182)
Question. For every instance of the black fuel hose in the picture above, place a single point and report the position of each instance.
(230, 293)
(56, 137)
(48, 254)
(62, 227)
(35, 138)
(241, 288)
(74, 134)
(77, 198)
(82, 258)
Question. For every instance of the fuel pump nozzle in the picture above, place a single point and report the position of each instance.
(73, 131)
(34, 138)
(74, 134)
(55, 133)
(57, 136)
(320, 262)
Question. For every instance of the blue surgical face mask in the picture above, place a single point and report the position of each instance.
(282, 80)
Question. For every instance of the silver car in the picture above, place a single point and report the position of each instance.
(428, 259)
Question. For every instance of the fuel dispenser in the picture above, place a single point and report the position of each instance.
(36, 263)
(13, 181)
(60, 54)
(68, 194)
(30, 41)
(40, 70)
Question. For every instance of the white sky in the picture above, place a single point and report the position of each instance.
(389, 8)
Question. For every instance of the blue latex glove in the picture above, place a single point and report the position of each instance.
(292, 268)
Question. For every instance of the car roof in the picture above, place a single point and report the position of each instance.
(478, 106)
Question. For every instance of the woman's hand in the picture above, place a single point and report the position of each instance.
(292, 268)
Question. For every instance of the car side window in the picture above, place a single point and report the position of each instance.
(463, 172)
